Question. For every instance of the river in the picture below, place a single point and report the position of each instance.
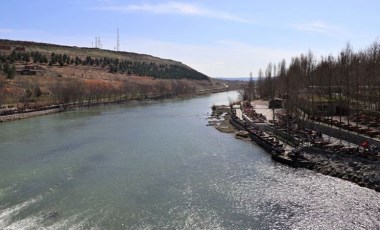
(158, 166)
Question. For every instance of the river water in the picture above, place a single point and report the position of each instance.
(158, 166)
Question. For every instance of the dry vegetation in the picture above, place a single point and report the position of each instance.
(83, 83)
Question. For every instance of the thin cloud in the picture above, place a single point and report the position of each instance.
(180, 8)
(320, 27)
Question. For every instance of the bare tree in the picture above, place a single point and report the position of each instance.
(283, 80)
(268, 82)
(2, 93)
(260, 83)
(249, 93)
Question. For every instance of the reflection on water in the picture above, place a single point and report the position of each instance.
(158, 166)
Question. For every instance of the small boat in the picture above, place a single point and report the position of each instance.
(284, 159)
(242, 133)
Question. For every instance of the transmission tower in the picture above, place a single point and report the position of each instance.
(98, 43)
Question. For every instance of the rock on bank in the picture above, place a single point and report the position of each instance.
(361, 171)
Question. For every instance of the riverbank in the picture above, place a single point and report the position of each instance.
(18, 116)
(61, 108)
(351, 167)
(363, 172)
(219, 119)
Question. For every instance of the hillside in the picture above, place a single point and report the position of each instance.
(83, 51)
(125, 62)
(38, 74)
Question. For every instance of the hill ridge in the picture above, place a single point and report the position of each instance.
(115, 61)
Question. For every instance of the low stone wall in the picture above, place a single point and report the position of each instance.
(18, 116)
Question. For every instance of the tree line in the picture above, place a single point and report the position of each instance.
(81, 92)
(114, 65)
(350, 78)
(25, 57)
(162, 71)
(71, 91)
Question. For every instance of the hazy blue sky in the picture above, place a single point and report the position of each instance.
(219, 38)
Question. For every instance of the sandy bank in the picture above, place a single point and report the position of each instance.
(220, 119)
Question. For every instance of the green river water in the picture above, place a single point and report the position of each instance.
(159, 166)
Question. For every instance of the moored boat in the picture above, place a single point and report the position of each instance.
(284, 159)
(266, 142)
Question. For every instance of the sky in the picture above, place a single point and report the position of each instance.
(219, 38)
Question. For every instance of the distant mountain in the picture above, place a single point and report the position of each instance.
(235, 78)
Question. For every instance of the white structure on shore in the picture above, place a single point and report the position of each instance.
(239, 114)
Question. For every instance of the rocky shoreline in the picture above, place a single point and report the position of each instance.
(361, 171)
(364, 172)
(219, 119)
